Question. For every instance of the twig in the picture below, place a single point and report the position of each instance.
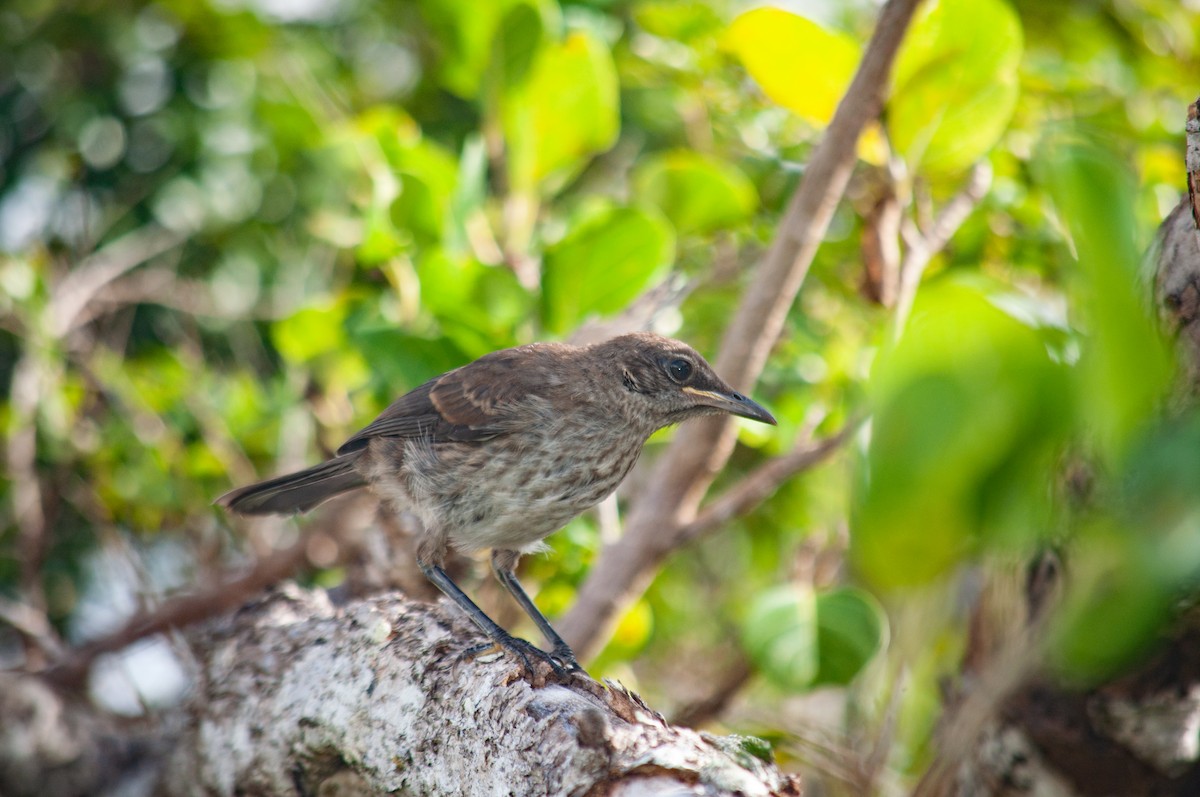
(163, 287)
(180, 611)
(923, 244)
(28, 505)
(762, 482)
(710, 706)
(685, 471)
(32, 624)
(81, 285)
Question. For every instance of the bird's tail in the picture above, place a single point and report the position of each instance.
(296, 492)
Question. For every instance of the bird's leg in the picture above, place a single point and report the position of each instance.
(523, 649)
(502, 565)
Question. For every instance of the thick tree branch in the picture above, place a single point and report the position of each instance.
(684, 473)
(297, 697)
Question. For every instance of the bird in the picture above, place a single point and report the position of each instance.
(504, 451)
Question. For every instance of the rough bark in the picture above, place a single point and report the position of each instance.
(297, 696)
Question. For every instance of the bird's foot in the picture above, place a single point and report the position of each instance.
(539, 666)
(566, 658)
(530, 653)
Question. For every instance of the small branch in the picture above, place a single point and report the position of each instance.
(181, 611)
(762, 482)
(163, 287)
(32, 624)
(1013, 664)
(923, 244)
(84, 282)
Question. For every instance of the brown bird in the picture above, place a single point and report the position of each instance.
(502, 452)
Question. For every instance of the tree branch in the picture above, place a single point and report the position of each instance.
(761, 483)
(85, 281)
(182, 610)
(297, 696)
(923, 244)
(685, 471)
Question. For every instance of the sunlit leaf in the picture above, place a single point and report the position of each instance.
(474, 38)
(467, 202)
(684, 21)
(309, 333)
(780, 635)
(955, 84)
(564, 113)
(603, 263)
(404, 361)
(799, 64)
(698, 193)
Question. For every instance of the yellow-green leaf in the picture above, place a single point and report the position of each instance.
(955, 84)
(567, 111)
(698, 193)
(800, 65)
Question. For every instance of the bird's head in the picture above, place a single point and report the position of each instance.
(666, 381)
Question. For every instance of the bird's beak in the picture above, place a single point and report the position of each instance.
(734, 403)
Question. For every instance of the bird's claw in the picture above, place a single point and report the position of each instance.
(566, 658)
(562, 666)
(561, 661)
(527, 650)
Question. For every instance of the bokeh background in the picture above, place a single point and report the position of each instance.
(231, 231)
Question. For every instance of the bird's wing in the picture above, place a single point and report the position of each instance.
(473, 403)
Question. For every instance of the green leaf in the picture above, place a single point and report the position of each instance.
(955, 84)
(563, 114)
(474, 38)
(310, 333)
(698, 193)
(780, 635)
(602, 264)
(851, 629)
(1125, 367)
(684, 21)
(404, 361)
(467, 203)
(427, 175)
(517, 39)
(800, 65)
(969, 412)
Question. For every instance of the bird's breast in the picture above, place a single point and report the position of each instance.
(515, 490)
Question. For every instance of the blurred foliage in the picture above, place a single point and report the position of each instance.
(231, 232)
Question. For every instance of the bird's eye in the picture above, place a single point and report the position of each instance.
(680, 370)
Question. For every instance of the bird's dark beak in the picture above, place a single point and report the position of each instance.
(734, 403)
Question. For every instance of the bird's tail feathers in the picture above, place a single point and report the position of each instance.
(296, 492)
